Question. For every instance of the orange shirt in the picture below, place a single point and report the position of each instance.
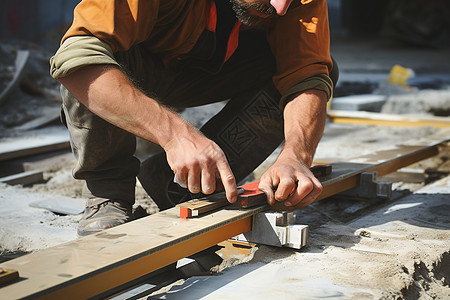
(169, 28)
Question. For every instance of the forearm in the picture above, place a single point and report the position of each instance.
(195, 160)
(108, 93)
(304, 123)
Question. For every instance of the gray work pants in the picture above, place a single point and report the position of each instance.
(247, 129)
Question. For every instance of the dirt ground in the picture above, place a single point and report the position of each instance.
(420, 268)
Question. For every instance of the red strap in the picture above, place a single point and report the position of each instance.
(211, 19)
(233, 41)
(251, 189)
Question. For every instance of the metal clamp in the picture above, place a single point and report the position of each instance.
(276, 229)
(370, 188)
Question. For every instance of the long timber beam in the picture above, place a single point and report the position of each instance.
(346, 174)
(380, 119)
(94, 264)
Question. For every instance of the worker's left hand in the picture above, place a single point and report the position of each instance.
(290, 181)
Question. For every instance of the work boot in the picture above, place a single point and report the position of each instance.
(101, 213)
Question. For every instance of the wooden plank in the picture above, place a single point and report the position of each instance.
(50, 162)
(233, 248)
(51, 114)
(24, 178)
(364, 102)
(370, 118)
(383, 162)
(14, 148)
(195, 207)
(93, 264)
(7, 276)
(409, 177)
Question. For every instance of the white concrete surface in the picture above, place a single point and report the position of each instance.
(372, 257)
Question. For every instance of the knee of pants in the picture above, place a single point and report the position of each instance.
(96, 143)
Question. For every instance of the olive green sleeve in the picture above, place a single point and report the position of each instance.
(321, 82)
(80, 51)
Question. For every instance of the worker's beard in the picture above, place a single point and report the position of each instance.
(242, 11)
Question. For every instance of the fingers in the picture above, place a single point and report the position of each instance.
(294, 191)
(201, 179)
(308, 189)
(193, 181)
(207, 174)
(228, 180)
(180, 180)
(208, 182)
(267, 187)
(286, 187)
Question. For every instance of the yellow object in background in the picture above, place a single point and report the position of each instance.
(400, 75)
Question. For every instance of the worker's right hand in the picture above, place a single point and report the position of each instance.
(198, 162)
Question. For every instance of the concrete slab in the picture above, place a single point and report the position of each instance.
(25, 228)
(61, 205)
(368, 102)
(37, 142)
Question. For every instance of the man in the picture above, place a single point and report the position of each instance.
(124, 65)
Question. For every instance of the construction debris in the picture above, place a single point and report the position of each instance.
(20, 62)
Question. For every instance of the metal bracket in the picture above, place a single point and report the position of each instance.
(276, 229)
(370, 188)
